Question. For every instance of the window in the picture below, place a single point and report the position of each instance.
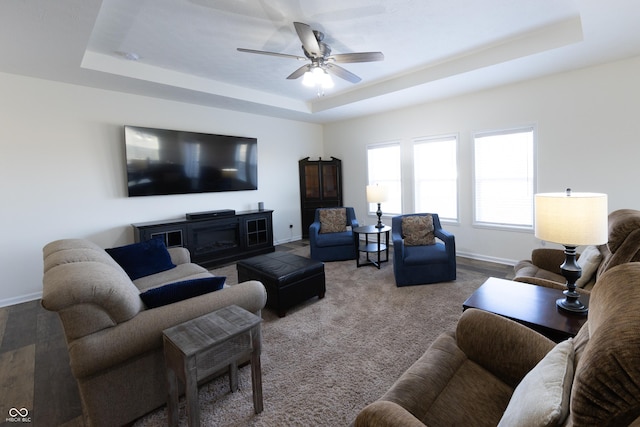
(383, 163)
(504, 178)
(435, 170)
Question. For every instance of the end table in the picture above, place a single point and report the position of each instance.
(203, 346)
(531, 305)
(375, 248)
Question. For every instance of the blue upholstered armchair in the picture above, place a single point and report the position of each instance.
(418, 257)
(331, 236)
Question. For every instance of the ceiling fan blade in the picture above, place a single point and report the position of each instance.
(308, 39)
(299, 72)
(264, 52)
(342, 73)
(357, 57)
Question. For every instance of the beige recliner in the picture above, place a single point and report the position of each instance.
(623, 246)
(114, 340)
(493, 371)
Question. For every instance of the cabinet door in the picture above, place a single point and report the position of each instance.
(257, 232)
(312, 181)
(320, 186)
(171, 235)
(330, 181)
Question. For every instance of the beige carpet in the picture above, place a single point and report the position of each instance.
(327, 359)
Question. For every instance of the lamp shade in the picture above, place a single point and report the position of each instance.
(571, 219)
(376, 193)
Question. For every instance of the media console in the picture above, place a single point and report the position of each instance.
(213, 239)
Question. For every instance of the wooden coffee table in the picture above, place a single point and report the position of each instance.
(531, 305)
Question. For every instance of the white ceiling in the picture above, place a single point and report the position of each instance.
(432, 48)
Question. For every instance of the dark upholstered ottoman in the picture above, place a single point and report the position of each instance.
(289, 279)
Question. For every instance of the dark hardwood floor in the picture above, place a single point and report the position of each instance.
(34, 364)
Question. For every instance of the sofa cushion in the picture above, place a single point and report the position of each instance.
(417, 230)
(344, 238)
(542, 397)
(444, 378)
(333, 220)
(142, 259)
(622, 222)
(606, 389)
(174, 292)
(178, 274)
(431, 254)
(589, 261)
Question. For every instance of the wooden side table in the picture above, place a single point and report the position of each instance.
(531, 305)
(200, 347)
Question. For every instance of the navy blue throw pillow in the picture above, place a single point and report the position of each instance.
(174, 292)
(142, 259)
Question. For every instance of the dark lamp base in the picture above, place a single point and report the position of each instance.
(379, 214)
(572, 272)
(573, 306)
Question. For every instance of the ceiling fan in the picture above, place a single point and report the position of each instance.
(319, 53)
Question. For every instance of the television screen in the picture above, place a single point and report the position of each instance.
(161, 162)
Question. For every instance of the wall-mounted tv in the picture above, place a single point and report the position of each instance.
(162, 161)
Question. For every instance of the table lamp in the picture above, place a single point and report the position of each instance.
(571, 219)
(377, 194)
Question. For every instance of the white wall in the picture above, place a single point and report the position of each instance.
(62, 167)
(62, 170)
(587, 128)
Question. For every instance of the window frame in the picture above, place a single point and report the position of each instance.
(378, 145)
(534, 178)
(455, 138)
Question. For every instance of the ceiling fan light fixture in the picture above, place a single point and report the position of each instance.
(316, 74)
(326, 80)
(317, 77)
(309, 79)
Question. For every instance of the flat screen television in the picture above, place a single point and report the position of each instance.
(162, 162)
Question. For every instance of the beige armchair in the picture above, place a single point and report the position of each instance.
(491, 371)
(623, 246)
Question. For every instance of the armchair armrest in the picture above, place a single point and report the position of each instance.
(398, 243)
(514, 351)
(314, 230)
(383, 413)
(443, 234)
(548, 259)
(543, 282)
(448, 239)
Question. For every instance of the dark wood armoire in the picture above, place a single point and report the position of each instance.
(320, 187)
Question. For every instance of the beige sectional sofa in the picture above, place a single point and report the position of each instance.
(114, 340)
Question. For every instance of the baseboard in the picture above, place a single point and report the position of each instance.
(479, 257)
(283, 241)
(19, 300)
(470, 255)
